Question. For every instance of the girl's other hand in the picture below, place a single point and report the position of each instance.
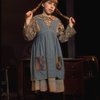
(71, 21)
(29, 15)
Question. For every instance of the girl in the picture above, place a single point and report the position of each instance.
(46, 30)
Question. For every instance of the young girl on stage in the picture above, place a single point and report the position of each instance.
(46, 30)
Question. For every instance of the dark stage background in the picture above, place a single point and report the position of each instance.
(12, 19)
(87, 17)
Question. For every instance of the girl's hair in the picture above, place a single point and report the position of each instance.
(55, 1)
(56, 10)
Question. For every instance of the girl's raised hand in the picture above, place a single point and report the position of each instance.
(29, 15)
(71, 21)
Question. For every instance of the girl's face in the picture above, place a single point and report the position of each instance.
(49, 7)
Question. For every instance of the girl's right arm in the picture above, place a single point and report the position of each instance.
(29, 30)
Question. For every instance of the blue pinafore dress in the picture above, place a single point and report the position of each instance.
(46, 63)
(46, 56)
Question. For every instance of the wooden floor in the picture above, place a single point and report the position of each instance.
(46, 96)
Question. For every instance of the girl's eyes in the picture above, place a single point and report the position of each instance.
(54, 4)
(49, 2)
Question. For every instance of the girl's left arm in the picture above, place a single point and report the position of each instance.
(65, 34)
